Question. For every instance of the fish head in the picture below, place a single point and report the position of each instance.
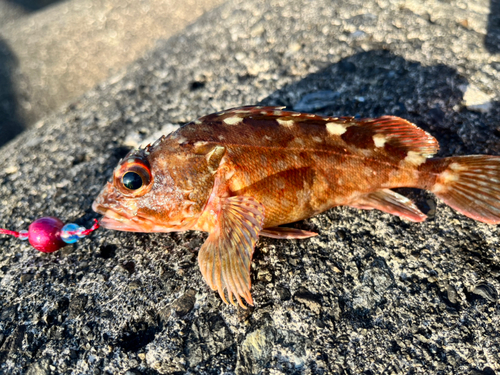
(147, 193)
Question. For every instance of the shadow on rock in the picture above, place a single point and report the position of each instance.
(492, 39)
(376, 83)
(34, 5)
(10, 122)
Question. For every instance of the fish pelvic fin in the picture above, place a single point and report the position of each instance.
(286, 233)
(226, 255)
(470, 185)
(391, 202)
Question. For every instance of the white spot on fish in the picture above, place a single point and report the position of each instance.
(379, 140)
(180, 140)
(296, 114)
(299, 141)
(414, 158)
(197, 122)
(447, 177)
(335, 129)
(317, 139)
(457, 167)
(439, 188)
(277, 113)
(286, 123)
(268, 138)
(221, 137)
(233, 120)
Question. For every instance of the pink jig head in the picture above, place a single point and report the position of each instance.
(49, 234)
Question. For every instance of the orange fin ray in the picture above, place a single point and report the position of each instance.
(471, 185)
(226, 255)
(389, 131)
(284, 232)
(390, 202)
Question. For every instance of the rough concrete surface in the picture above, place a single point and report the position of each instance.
(52, 56)
(372, 294)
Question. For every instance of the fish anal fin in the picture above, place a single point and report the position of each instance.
(284, 232)
(390, 202)
(226, 255)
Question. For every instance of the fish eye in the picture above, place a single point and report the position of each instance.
(132, 180)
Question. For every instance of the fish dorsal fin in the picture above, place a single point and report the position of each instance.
(395, 135)
(226, 255)
(232, 115)
(391, 202)
(399, 138)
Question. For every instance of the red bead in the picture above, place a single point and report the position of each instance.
(44, 234)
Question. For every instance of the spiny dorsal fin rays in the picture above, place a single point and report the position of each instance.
(396, 132)
(226, 255)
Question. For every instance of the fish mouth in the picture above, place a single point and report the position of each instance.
(129, 217)
(130, 222)
(116, 216)
(118, 221)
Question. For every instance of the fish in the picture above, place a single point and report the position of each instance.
(242, 173)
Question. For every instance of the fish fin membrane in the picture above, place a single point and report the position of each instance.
(286, 233)
(391, 202)
(396, 134)
(471, 185)
(226, 255)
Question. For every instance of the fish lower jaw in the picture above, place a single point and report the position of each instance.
(118, 221)
(115, 221)
(112, 220)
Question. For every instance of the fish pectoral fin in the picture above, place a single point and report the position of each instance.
(284, 232)
(391, 202)
(226, 255)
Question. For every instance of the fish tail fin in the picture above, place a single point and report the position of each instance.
(470, 185)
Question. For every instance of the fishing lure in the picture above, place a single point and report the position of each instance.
(49, 234)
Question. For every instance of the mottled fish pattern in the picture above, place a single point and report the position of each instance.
(239, 174)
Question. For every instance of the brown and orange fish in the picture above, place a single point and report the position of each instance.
(240, 173)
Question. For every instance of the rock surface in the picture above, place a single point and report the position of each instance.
(372, 294)
(54, 55)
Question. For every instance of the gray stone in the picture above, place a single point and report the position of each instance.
(50, 55)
